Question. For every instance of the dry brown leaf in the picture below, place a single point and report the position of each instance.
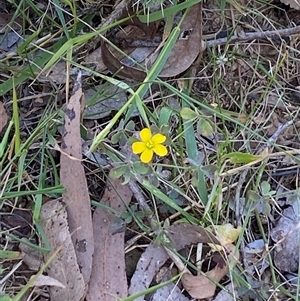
(5, 19)
(188, 45)
(3, 117)
(64, 267)
(292, 3)
(154, 257)
(43, 280)
(72, 177)
(286, 237)
(201, 287)
(182, 56)
(32, 258)
(108, 280)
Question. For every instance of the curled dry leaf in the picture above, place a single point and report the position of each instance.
(3, 117)
(292, 3)
(73, 178)
(203, 286)
(182, 56)
(64, 268)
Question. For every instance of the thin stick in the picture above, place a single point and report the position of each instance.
(246, 36)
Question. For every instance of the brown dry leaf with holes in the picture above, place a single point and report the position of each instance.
(203, 286)
(292, 3)
(64, 267)
(73, 178)
(108, 280)
(188, 46)
(3, 117)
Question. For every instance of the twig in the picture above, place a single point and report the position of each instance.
(136, 190)
(273, 138)
(246, 36)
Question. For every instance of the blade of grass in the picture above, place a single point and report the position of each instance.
(16, 119)
(173, 9)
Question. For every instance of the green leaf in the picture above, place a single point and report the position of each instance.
(130, 126)
(204, 127)
(164, 116)
(253, 196)
(141, 167)
(239, 157)
(9, 254)
(188, 114)
(117, 172)
(265, 188)
(115, 138)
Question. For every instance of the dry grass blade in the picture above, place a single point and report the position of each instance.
(108, 279)
(72, 177)
(3, 117)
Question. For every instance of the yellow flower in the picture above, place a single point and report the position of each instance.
(149, 145)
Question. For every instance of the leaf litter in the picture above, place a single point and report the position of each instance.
(285, 223)
(64, 267)
(108, 279)
(73, 178)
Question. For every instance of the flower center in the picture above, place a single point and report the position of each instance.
(149, 144)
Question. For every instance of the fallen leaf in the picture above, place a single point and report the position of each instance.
(114, 65)
(64, 267)
(170, 291)
(6, 19)
(108, 280)
(183, 54)
(32, 258)
(188, 46)
(102, 100)
(3, 117)
(226, 294)
(43, 280)
(227, 234)
(203, 286)
(153, 258)
(286, 236)
(292, 3)
(255, 255)
(73, 178)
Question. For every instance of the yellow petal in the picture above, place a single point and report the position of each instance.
(158, 138)
(160, 150)
(138, 147)
(147, 155)
(145, 134)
